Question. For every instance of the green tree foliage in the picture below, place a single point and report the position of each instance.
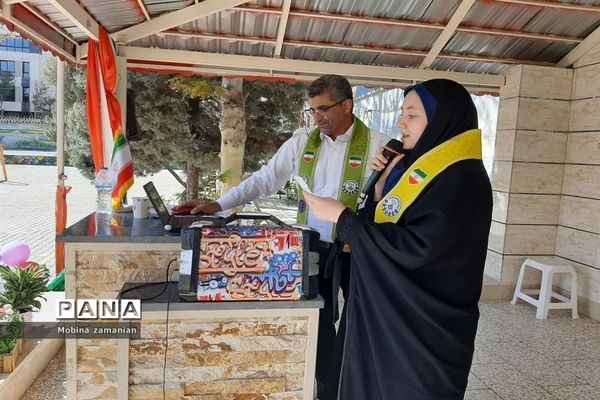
(179, 127)
(273, 113)
(42, 101)
(77, 143)
(195, 88)
(177, 131)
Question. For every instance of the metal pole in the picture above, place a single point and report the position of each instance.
(3, 162)
(60, 121)
(61, 191)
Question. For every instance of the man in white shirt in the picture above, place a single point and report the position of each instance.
(340, 146)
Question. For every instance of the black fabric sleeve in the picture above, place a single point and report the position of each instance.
(344, 224)
(368, 211)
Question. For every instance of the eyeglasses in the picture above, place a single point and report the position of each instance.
(323, 109)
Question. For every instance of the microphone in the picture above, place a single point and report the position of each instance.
(390, 150)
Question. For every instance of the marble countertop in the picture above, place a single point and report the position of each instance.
(117, 228)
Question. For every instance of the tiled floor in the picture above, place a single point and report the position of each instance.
(517, 357)
(27, 204)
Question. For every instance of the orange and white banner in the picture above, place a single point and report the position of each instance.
(110, 148)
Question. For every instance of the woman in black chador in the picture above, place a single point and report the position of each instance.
(418, 251)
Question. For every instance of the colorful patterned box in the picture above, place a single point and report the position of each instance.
(240, 263)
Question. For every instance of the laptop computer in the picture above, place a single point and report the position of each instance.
(174, 222)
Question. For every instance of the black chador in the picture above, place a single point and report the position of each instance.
(412, 313)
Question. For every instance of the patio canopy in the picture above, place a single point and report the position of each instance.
(376, 43)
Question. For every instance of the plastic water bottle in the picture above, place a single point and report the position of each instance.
(104, 189)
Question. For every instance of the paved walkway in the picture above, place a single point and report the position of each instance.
(27, 204)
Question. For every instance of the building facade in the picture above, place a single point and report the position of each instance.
(20, 64)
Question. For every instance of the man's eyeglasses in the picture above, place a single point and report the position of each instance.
(323, 109)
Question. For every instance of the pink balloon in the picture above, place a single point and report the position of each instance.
(15, 253)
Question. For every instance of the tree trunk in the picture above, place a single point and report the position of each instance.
(176, 176)
(233, 131)
(191, 180)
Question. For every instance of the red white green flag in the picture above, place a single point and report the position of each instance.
(107, 138)
(309, 155)
(416, 176)
(355, 162)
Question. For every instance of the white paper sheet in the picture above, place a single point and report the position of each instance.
(302, 183)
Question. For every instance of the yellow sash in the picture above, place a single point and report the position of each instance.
(465, 146)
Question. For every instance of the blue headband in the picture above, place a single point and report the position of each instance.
(429, 102)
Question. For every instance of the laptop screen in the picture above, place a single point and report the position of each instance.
(157, 202)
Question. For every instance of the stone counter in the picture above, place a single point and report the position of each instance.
(117, 228)
(205, 351)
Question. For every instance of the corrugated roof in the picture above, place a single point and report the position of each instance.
(114, 14)
(492, 34)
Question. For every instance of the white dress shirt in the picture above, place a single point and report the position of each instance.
(286, 162)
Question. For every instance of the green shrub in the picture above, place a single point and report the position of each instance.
(23, 285)
(11, 326)
(35, 145)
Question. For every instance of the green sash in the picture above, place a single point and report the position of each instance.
(354, 168)
(465, 146)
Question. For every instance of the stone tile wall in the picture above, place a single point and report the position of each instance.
(252, 358)
(546, 178)
(578, 234)
(531, 142)
(206, 359)
(101, 274)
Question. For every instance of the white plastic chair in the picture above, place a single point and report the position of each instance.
(544, 300)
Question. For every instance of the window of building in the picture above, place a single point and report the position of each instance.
(25, 80)
(7, 66)
(19, 45)
(25, 95)
(7, 87)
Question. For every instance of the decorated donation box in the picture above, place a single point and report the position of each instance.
(248, 256)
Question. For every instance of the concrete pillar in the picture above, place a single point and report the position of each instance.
(529, 156)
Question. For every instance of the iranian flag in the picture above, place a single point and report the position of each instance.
(355, 162)
(417, 176)
(309, 156)
(107, 139)
(121, 169)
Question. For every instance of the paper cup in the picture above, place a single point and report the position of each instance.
(141, 207)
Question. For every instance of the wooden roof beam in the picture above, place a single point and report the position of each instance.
(173, 19)
(143, 8)
(283, 19)
(447, 33)
(199, 58)
(590, 42)
(36, 29)
(78, 15)
(553, 4)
